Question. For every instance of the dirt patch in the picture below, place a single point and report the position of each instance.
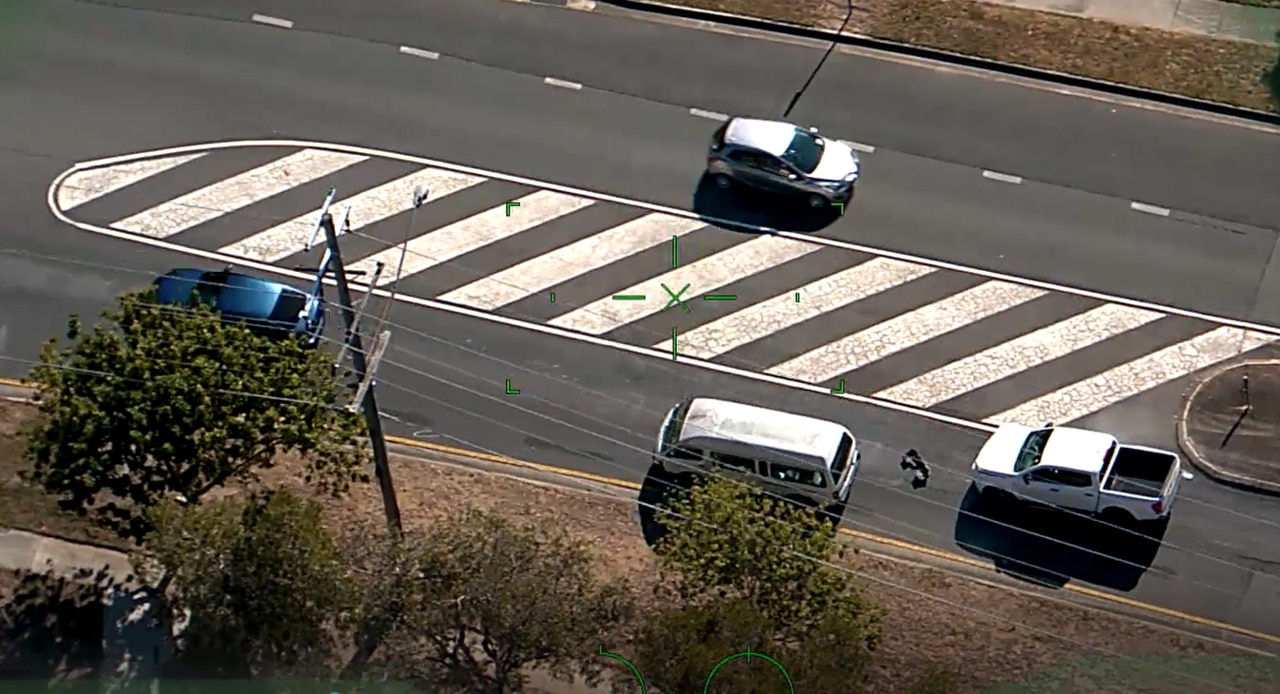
(26, 507)
(1201, 67)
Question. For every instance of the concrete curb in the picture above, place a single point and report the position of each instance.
(1198, 459)
(969, 61)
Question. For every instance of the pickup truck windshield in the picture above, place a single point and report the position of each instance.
(1032, 450)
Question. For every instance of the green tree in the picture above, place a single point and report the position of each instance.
(262, 581)
(475, 602)
(756, 571)
(157, 402)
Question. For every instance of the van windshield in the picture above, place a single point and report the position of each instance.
(842, 456)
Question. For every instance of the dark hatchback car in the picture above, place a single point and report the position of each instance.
(266, 307)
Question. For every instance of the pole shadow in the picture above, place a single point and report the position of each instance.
(742, 205)
(1051, 548)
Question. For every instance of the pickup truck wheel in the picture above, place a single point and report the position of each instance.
(996, 498)
(834, 513)
(1117, 517)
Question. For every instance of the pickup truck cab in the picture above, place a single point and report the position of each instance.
(1078, 470)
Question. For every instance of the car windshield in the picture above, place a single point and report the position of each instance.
(805, 151)
(1032, 450)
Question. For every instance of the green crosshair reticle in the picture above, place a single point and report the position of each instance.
(675, 298)
(600, 651)
(749, 654)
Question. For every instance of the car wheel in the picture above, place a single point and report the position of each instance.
(722, 181)
(818, 201)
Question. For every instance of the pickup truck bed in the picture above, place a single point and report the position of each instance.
(1139, 471)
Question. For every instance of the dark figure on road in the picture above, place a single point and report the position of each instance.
(912, 461)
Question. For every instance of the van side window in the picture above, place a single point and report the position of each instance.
(736, 462)
(685, 453)
(795, 475)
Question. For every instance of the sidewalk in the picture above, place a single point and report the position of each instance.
(1208, 17)
(1233, 436)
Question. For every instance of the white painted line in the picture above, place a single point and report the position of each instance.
(368, 207)
(574, 260)
(582, 5)
(1003, 178)
(562, 83)
(859, 147)
(1017, 355)
(272, 21)
(231, 194)
(419, 53)
(708, 114)
(92, 184)
(475, 232)
(1149, 209)
(825, 242)
(706, 275)
(904, 330)
(1127, 380)
(765, 318)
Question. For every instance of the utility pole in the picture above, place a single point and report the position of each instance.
(373, 420)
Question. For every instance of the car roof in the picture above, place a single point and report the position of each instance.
(239, 294)
(806, 439)
(770, 136)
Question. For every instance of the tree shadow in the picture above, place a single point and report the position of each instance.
(52, 626)
(741, 205)
(1051, 548)
(1272, 77)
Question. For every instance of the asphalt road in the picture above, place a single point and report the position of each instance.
(82, 81)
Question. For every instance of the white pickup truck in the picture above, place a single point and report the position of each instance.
(1078, 470)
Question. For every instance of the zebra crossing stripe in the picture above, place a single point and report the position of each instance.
(1085, 397)
(368, 207)
(706, 275)
(231, 194)
(570, 261)
(1009, 358)
(760, 320)
(475, 232)
(905, 330)
(91, 184)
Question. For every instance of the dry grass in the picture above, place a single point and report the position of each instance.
(1202, 67)
(1014, 636)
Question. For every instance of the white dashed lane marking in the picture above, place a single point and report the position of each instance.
(419, 53)
(1149, 209)
(272, 21)
(563, 84)
(1002, 177)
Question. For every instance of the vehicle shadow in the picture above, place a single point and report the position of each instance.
(657, 492)
(742, 205)
(1051, 548)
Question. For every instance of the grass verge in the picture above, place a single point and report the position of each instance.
(1007, 631)
(1202, 67)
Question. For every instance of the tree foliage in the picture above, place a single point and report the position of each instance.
(752, 571)
(159, 402)
(262, 581)
(1273, 76)
(474, 602)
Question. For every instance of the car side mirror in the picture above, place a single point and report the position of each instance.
(792, 176)
(1026, 479)
(813, 129)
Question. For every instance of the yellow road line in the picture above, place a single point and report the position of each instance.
(870, 537)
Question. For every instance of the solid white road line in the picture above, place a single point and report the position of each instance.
(905, 330)
(760, 320)
(1149, 209)
(574, 260)
(419, 53)
(708, 114)
(581, 5)
(1017, 355)
(92, 184)
(704, 276)
(368, 207)
(1002, 177)
(477, 231)
(1129, 379)
(564, 84)
(231, 194)
(859, 147)
(272, 21)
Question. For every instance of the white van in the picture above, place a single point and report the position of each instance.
(810, 461)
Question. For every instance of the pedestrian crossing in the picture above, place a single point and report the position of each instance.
(949, 341)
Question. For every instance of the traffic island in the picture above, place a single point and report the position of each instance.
(1229, 426)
